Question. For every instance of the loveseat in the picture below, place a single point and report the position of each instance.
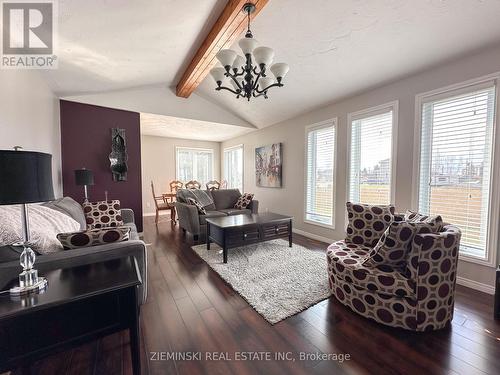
(86, 255)
(417, 296)
(192, 221)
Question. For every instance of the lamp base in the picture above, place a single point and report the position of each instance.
(29, 282)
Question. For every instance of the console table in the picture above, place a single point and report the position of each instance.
(79, 305)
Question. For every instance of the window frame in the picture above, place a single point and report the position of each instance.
(319, 125)
(210, 150)
(242, 146)
(368, 112)
(492, 235)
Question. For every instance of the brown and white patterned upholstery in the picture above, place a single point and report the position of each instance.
(103, 214)
(244, 201)
(419, 297)
(435, 222)
(93, 237)
(367, 223)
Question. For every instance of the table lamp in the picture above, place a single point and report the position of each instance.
(84, 177)
(26, 177)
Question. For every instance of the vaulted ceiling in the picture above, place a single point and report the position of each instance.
(334, 49)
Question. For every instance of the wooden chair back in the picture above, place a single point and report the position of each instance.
(223, 184)
(175, 185)
(193, 184)
(213, 185)
(155, 197)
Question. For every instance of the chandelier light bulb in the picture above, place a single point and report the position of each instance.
(239, 62)
(247, 45)
(280, 70)
(218, 74)
(226, 57)
(263, 55)
(265, 82)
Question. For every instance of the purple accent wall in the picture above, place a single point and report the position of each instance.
(86, 143)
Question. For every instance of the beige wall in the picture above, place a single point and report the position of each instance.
(29, 117)
(158, 164)
(290, 199)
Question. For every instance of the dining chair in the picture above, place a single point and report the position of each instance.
(175, 185)
(213, 185)
(193, 184)
(162, 205)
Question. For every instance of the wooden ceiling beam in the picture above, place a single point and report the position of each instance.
(228, 27)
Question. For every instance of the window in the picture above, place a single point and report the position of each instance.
(233, 167)
(194, 164)
(320, 172)
(456, 147)
(371, 149)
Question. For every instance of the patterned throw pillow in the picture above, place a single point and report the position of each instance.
(367, 223)
(244, 201)
(93, 237)
(394, 245)
(435, 222)
(198, 205)
(103, 214)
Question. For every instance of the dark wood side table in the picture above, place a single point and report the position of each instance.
(240, 230)
(80, 304)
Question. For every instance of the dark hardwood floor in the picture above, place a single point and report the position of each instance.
(190, 309)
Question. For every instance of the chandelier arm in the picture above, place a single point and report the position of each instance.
(228, 89)
(236, 81)
(268, 87)
(254, 87)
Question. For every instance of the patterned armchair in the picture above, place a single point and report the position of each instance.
(419, 297)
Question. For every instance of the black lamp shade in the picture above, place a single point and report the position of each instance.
(84, 177)
(25, 177)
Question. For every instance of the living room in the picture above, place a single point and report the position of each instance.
(186, 200)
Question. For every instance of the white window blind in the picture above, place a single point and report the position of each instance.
(233, 167)
(194, 164)
(370, 170)
(320, 174)
(455, 163)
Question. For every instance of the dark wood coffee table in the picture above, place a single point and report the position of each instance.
(240, 230)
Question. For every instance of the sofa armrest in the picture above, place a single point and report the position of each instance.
(188, 217)
(127, 215)
(254, 206)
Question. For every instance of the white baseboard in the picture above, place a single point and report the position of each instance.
(475, 285)
(313, 236)
(485, 288)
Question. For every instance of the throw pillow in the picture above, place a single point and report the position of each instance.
(435, 222)
(194, 202)
(244, 201)
(394, 245)
(103, 214)
(367, 223)
(93, 237)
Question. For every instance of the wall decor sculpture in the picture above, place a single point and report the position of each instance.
(118, 157)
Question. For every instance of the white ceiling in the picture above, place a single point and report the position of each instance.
(175, 127)
(334, 48)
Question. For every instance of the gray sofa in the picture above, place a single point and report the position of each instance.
(192, 221)
(75, 257)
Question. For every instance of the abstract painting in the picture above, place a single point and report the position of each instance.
(268, 166)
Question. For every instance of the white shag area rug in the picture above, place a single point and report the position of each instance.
(277, 281)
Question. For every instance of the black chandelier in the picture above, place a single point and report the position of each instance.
(248, 74)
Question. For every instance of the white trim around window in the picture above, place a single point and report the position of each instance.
(365, 113)
(321, 125)
(223, 172)
(208, 150)
(491, 250)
